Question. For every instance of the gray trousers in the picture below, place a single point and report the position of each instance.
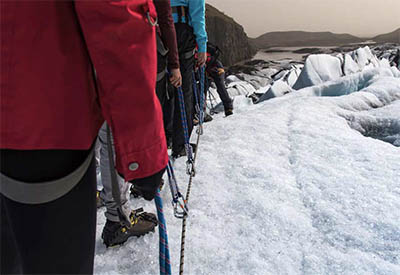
(105, 175)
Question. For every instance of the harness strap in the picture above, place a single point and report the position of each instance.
(161, 75)
(38, 193)
(183, 12)
(187, 55)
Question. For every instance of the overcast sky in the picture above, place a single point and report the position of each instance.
(364, 18)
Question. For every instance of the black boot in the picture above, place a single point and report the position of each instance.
(207, 117)
(141, 223)
(136, 193)
(179, 153)
(228, 111)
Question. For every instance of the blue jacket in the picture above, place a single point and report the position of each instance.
(197, 19)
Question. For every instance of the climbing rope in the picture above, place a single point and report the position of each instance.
(165, 264)
(188, 148)
(196, 96)
(202, 72)
(178, 200)
(199, 133)
(183, 235)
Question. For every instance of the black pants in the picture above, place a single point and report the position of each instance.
(178, 139)
(186, 44)
(166, 98)
(219, 80)
(56, 237)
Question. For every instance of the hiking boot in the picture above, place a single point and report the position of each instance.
(228, 111)
(136, 193)
(180, 153)
(99, 200)
(114, 233)
(207, 117)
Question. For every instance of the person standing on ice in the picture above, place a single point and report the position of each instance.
(190, 25)
(167, 61)
(215, 72)
(114, 232)
(51, 114)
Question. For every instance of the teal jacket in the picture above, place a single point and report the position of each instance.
(197, 19)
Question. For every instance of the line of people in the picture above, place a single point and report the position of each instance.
(170, 62)
(66, 67)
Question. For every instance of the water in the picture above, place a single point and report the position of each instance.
(288, 53)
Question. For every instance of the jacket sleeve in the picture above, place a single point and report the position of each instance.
(167, 28)
(197, 11)
(121, 44)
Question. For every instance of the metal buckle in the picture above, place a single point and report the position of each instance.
(151, 22)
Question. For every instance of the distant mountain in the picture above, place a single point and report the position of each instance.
(300, 38)
(393, 37)
(228, 35)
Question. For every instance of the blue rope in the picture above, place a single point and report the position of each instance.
(184, 123)
(202, 72)
(165, 264)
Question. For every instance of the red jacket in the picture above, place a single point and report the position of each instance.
(48, 96)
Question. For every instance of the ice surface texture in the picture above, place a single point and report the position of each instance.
(288, 186)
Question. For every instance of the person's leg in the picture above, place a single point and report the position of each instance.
(163, 94)
(10, 260)
(168, 111)
(114, 233)
(219, 80)
(187, 66)
(111, 212)
(57, 237)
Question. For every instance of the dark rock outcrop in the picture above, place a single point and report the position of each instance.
(300, 38)
(229, 36)
(393, 37)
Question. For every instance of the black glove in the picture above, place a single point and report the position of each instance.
(148, 186)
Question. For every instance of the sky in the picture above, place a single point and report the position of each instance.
(365, 18)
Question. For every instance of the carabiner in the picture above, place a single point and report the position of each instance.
(150, 20)
(180, 214)
(190, 168)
